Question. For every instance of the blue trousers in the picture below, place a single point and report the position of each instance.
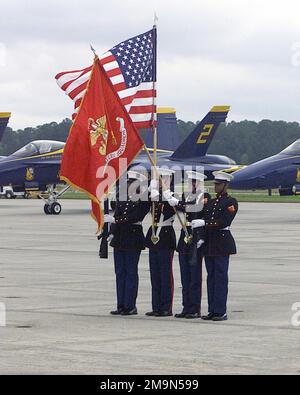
(161, 273)
(217, 283)
(127, 279)
(191, 281)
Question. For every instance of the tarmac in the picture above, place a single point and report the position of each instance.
(58, 295)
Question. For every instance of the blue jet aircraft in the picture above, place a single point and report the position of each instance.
(280, 171)
(35, 167)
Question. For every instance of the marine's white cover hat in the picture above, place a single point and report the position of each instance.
(163, 171)
(135, 175)
(196, 175)
(221, 177)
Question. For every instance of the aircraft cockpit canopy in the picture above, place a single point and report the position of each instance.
(38, 147)
(293, 149)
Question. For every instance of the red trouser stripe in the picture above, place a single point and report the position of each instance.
(172, 282)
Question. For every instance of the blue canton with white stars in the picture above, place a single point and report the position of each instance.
(136, 58)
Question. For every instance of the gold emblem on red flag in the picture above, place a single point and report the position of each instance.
(119, 152)
(98, 130)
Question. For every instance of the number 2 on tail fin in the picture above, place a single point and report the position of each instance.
(205, 133)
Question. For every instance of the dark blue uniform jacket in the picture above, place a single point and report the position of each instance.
(218, 215)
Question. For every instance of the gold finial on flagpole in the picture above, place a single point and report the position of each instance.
(155, 20)
(94, 51)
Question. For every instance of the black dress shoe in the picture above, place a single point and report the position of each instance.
(164, 314)
(180, 315)
(116, 312)
(218, 317)
(208, 317)
(129, 312)
(192, 315)
(152, 313)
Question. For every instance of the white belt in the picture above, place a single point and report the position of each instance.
(137, 223)
(167, 222)
(227, 228)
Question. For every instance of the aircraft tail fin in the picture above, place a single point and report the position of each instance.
(168, 136)
(4, 118)
(197, 142)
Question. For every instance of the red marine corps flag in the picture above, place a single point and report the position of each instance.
(101, 135)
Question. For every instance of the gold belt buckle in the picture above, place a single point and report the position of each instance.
(188, 240)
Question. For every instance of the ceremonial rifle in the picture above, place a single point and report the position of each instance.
(103, 250)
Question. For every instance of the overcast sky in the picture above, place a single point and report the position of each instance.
(237, 52)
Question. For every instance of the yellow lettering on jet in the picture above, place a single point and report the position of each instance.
(205, 133)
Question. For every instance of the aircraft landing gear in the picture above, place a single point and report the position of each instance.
(47, 210)
(52, 207)
(55, 208)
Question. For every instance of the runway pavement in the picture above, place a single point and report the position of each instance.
(58, 295)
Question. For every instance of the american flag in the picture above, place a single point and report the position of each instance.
(131, 67)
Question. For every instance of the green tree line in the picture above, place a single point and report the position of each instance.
(245, 141)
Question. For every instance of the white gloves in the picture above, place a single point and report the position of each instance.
(153, 189)
(109, 238)
(199, 243)
(173, 201)
(167, 194)
(197, 223)
(154, 194)
(109, 218)
(153, 184)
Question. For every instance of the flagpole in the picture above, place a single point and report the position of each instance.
(153, 160)
(103, 249)
(154, 101)
(94, 51)
(154, 237)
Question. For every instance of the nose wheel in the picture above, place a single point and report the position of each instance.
(47, 210)
(54, 209)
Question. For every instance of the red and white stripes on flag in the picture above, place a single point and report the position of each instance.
(131, 69)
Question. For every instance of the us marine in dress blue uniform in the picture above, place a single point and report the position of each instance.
(161, 241)
(219, 245)
(128, 241)
(190, 251)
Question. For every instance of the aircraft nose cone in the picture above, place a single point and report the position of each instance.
(243, 180)
(238, 180)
